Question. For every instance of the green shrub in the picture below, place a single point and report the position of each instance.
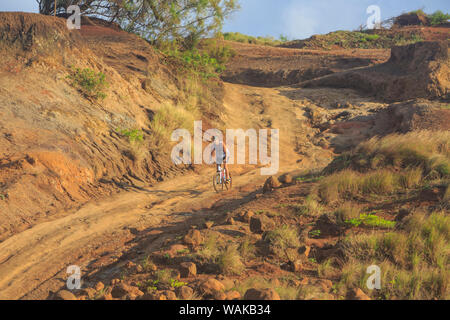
(265, 41)
(371, 220)
(438, 18)
(89, 82)
(133, 135)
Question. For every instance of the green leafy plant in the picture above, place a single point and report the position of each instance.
(371, 220)
(174, 283)
(315, 233)
(438, 17)
(89, 82)
(133, 135)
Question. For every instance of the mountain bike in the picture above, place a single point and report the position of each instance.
(220, 182)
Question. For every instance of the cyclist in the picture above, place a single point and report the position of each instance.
(219, 150)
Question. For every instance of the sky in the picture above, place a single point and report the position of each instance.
(296, 19)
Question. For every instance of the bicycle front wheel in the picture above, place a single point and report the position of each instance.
(216, 182)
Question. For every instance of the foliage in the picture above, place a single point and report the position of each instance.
(89, 82)
(265, 41)
(371, 220)
(186, 20)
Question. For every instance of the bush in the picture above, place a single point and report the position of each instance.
(230, 261)
(282, 238)
(265, 41)
(89, 82)
(438, 18)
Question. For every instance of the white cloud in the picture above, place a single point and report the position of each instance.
(300, 21)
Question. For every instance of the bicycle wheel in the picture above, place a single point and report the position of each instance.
(216, 182)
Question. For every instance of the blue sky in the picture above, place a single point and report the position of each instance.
(296, 19)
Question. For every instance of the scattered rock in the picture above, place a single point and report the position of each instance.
(271, 184)
(211, 286)
(231, 221)
(185, 293)
(170, 295)
(188, 269)
(65, 295)
(261, 294)
(305, 250)
(358, 294)
(233, 295)
(261, 223)
(88, 292)
(219, 295)
(286, 179)
(122, 289)
(209, 224)
(99, 286)
(115, 281)
(194, 238)
(246, 216)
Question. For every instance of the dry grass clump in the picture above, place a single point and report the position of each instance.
(347, 211)
(414, 261)
(167, 119)
(230, 262)
(310, 207)
(429, 150)
(281, 239)
(348, 184)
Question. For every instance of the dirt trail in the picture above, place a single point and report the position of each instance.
(30, 260)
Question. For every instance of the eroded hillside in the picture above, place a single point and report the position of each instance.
(92, 181)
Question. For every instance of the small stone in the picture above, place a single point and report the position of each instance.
(220, 296)
(360, 295)
(99, 286)
(286, 179)
(270, 184)
(231, 221)
(170, 295)
(185, 293)
(261, 224)
(233, 295)
(89, 292)
(305, 250)
(209, 224)
(211, 286)
(194, 238)
(246, 216)
(65, 295)
(188, 269)
(261, 294)
(122, 289)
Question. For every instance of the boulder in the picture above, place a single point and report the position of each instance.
(188, 269)
(270, 184)
(185, 293)
(261, 294)
(193, 238)
(120, 290)
(261, 223)
(211, 287)
(65, 295)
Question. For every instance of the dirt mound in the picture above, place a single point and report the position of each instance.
(419, 70)
(58, 148)
(371, 39)
(413, 116)
(270, 67)
(413, 18)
